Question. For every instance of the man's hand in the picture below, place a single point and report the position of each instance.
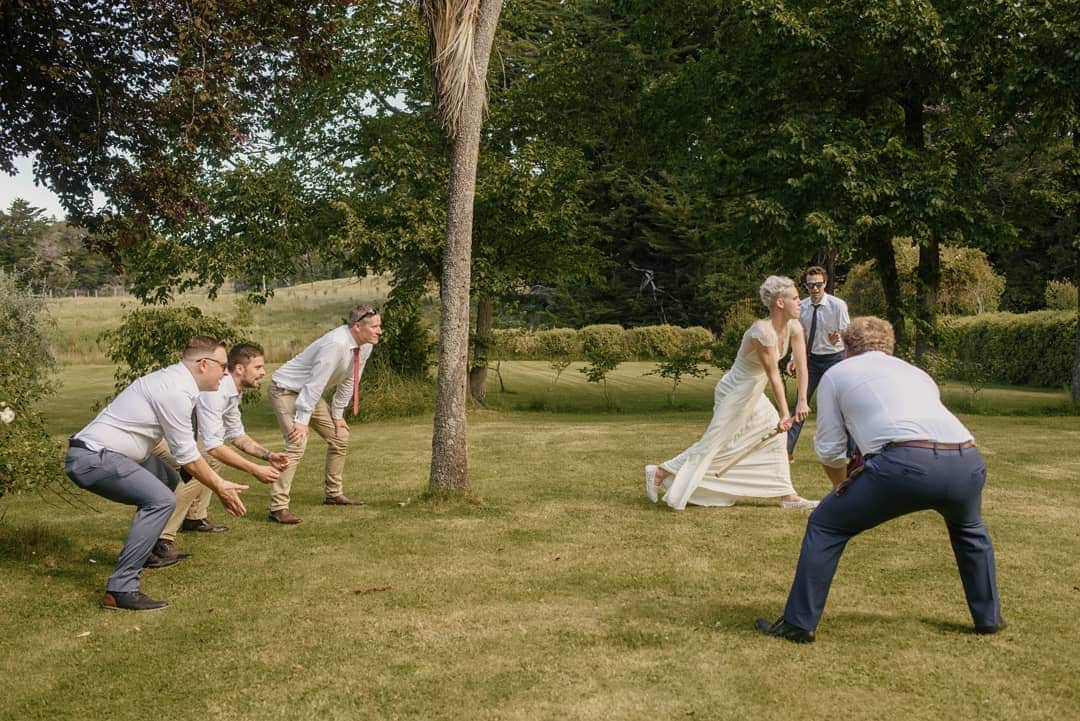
(279, 461)
(266, 474)
(299, 433)
(229, 493)
(791, 367)
(339, 425)
(802, 411)
(834, 336)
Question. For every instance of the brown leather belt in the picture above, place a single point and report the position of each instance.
(931, 444)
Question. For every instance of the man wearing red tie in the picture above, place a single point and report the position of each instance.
(336, 360)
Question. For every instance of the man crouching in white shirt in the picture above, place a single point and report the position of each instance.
(336, 360)
(112, 458)
(217, 415)
(916, 456)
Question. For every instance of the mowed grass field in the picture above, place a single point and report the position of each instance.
(560, 593)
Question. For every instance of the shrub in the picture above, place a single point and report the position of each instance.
(737, 319)
(969, 284)
(151, 338)
(604, 347)
(408, 343)
(1061, 295)
(1032, 349)
(557, 343)
(28, 457)
(654, 341)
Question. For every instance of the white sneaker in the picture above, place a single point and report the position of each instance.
(800, 505)
(650, 483)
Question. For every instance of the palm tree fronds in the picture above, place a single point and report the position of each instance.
(452, 25)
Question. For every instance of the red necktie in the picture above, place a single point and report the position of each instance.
(356, 380)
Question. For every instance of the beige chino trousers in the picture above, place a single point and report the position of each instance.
(337, 445)
(192, 497)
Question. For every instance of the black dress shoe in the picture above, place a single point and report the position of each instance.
(131, 601)
(202, 525)
(987, 630)
(783, 629)
(164, 554)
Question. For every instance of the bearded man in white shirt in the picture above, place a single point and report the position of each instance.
(336, 360)
(917, 456)
(112, 458)
(218, 419)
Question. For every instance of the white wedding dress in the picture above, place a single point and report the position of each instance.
(742, 416)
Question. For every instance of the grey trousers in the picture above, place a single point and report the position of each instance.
(148, 486)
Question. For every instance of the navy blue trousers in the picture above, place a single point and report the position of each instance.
(816, 365)
(894, 483)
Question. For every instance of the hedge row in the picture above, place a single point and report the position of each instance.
(652, 342)
(1029, 349)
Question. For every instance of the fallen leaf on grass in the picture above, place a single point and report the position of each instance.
(297, 666)
(375, 589)
(404, 503)
(84, 634)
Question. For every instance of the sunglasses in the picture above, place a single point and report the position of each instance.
(814, 286)
(367, 314)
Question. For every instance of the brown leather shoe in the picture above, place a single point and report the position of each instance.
(284, 515)
(164, 554)
(342, 501)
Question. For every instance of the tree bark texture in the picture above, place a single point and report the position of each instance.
(1075, 385)
(485, 311)
(929, 282)
(449, 442)
(885, 263)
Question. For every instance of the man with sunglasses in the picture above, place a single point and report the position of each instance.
(824, 318)
(336, 360)
(112, 458)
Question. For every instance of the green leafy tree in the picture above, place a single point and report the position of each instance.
(29, 458)
(152, 338)
(680, 364)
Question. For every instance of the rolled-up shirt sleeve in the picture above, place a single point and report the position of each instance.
(830, 441)
(212, 410)
(173, 412)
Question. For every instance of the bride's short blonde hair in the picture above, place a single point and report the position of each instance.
(773, 288)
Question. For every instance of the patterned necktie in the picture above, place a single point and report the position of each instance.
(813, 330)
(356, 380)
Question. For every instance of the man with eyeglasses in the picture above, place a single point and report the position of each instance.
(336, 360)
(218, 422)
(824, 318)
(112, 458)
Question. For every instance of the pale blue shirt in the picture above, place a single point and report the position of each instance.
(832, 317)
(879, 399)
(325, 363)
(219, 414)
(156, 405)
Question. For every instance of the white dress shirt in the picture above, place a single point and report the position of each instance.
(326, 362)
(218, 413)
(879, 399)
(832, 316)
(158, 404)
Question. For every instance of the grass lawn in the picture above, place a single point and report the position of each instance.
(561, 594)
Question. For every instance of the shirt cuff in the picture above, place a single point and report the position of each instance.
(834, 462)
(302, 417)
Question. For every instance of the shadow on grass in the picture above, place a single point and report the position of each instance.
(37, 549)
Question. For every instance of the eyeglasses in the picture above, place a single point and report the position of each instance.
(224, 366)
(814, 286)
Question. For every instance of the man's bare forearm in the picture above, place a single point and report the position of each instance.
(231, 458)
(248, 445)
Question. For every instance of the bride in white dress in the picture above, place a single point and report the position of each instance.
(704, 474)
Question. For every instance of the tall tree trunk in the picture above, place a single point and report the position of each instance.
(449, 442)
(481, 345)
(1075, 386)
(929, 282)
(885, 264)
